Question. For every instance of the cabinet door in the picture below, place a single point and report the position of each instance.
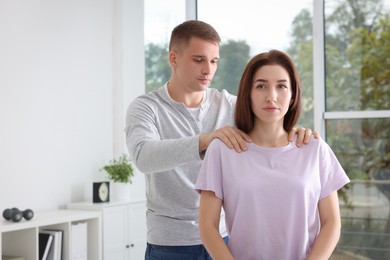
(115, 237)
(137, 230)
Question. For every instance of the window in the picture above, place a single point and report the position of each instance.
(357, 118)
(250, 27)
(351, 86)
(160, 19)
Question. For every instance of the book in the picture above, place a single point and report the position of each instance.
(56, 251)
(45, 242)
(79, 241)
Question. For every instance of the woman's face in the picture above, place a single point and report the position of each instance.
(271, 94)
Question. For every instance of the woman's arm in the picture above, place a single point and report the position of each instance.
(329, 234)
(209, 215)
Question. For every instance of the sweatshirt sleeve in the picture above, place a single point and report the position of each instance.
(147, 150)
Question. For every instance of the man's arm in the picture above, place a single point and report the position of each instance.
(147, 149)
(232, 137)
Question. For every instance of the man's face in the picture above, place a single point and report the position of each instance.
(196, 64)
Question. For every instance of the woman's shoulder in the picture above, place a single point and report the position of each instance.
(216, 143)
(315, 144)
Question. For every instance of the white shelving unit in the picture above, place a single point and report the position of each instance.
(21, 238)
(124, 227)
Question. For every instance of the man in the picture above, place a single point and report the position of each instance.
(168, 132)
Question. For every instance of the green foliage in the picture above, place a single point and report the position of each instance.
(120, 170)
(365, 236)
(357, 51)
(157, 68)
(358, 78)
(370, 50)
(234, 55)
(300, 51)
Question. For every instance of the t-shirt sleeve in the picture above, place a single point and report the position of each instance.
(210, 175)
(333, 176)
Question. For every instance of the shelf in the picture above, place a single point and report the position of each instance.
(21, 238)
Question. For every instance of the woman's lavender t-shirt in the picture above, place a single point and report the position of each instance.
(270, 195)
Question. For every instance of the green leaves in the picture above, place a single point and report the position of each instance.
(120, 170)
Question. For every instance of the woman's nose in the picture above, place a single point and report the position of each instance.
(272, 96)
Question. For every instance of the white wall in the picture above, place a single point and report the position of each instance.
(129, 78)
(58, 85)
(133, 72)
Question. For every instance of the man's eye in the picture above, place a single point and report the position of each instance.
(198, 59)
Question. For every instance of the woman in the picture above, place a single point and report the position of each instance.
(275, 196)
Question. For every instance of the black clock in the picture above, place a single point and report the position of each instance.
(101, 192)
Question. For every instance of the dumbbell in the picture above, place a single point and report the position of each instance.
(15, 215)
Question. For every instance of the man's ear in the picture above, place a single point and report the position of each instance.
(172, 58)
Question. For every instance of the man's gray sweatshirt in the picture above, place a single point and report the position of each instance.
(163, 142)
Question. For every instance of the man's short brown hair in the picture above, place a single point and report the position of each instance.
(182, 34)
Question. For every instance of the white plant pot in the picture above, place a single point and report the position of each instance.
(120, 191)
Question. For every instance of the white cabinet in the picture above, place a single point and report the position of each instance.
(138, 230)
(115, 235)
(21, 238)
(124, 228)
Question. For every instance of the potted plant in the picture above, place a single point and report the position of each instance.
(120, 172)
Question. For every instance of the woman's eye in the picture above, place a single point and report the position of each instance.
(282, 86)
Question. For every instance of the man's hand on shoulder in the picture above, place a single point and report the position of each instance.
(304, 135)
(230, 136)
